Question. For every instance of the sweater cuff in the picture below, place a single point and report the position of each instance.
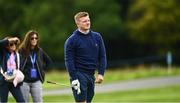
(73, 76)
(101, 72)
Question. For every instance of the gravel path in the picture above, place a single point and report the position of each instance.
(124, 85)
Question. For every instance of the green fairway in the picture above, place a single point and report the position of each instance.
(167, 94)
(120, 74)
(163, 94)
(56, 76)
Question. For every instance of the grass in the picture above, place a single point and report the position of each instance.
(56, 76)
(120, 74)
(169, 94)
(137, 73)
(164, 94)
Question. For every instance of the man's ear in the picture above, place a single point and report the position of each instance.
(77, 22)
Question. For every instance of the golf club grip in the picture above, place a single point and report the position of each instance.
(51, 82)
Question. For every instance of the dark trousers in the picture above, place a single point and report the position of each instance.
(15, 91)
(86, 86)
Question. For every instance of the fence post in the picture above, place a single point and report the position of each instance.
(169, 61)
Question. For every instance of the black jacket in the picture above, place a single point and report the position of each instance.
(42, 62)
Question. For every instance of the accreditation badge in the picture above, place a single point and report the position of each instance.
(33, 73)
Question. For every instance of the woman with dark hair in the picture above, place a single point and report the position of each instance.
(34, 62)
(9, 64)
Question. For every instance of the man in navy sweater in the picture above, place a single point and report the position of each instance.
(84, 53)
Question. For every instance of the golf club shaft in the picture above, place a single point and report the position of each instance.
(58, 84)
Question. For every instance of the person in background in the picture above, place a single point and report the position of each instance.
(8, 66)
(84, 53)
(34, 63)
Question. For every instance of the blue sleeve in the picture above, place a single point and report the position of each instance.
(3, 43)
(69, 58)
(102, 57)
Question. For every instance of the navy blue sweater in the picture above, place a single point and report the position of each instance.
(85, 53)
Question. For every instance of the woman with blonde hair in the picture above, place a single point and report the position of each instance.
(34, 63)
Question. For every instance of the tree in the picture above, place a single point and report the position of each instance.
(54, 20)
(155, 23)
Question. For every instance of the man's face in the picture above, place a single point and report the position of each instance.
(84, 23)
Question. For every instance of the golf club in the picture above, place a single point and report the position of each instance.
(61, 84)
(78, 90)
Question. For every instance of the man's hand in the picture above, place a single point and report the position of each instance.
(76, 85)
(99, 79)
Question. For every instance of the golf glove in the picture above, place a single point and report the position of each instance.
(76, 85)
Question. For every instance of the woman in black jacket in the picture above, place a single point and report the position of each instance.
(9, 63)
(34, 62)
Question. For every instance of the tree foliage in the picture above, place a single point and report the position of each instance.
(155, 22)
(54, 20)
(126, 25)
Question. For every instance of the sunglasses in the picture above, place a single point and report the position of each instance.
(12, 44)
(34, 38)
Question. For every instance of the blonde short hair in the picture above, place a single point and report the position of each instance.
(80, 15)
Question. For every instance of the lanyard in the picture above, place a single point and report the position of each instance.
(33, 59)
